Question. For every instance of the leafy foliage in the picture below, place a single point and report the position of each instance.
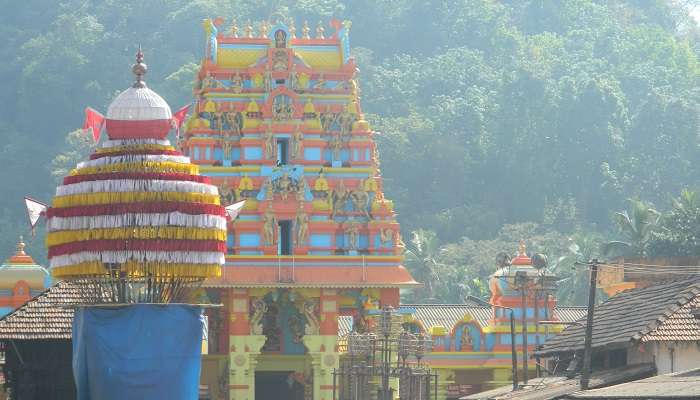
(493, 114)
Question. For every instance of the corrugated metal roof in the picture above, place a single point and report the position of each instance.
(557, 387)
(447, 315)
(636, 315)
(671, 386)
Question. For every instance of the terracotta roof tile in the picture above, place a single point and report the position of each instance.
(656, 312)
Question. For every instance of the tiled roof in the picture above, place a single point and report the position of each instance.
(636, 315)
(680, 326)
(685, 385)
(43, 317)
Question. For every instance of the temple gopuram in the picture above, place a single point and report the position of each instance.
(277, 122)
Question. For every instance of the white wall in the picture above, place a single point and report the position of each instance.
(668, 356)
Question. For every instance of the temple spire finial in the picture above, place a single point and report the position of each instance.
(20, 246)
(521, 248)
(139, 69)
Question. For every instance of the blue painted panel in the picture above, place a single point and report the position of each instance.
(321, 240)
(312, 154)
(363, 242)
(229, 240)
(367, 157)
(196, 153)
(530, 312)
(505, 339)
(249, 239)
(327, 155)
(355, 154)
(207, 153)
(344, 155)
(489, 341)
(252, 153)
(236, 154)
(218, 154)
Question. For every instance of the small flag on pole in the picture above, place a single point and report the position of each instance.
(179, 117)
(93, 122)
(234, 209)
(35, 209)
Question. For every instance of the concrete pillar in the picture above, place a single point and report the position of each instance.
(324, 358)
(243, 359)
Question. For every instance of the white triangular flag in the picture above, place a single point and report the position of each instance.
(35, 209)
(233, 210)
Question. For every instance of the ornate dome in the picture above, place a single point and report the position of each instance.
(138, 112)
(137, 206)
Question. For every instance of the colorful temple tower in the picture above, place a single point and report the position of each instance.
(21, 278)
(277, 121)
(472, 349)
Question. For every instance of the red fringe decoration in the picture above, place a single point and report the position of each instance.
(95, 156)
(145, 208)
(138, 245)
(136, 175)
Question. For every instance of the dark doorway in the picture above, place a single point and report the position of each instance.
(277, 385)
(284, 241)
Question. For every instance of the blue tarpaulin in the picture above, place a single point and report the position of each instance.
(141, 351)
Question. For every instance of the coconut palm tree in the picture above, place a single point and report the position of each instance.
(636, 228)
(422, 260)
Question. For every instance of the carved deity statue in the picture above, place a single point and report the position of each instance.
(279, 60)
(312, 321)
(284, 185)
(297, 139)
(269, 143)
(337, 146)
(235, 122)
(302, 224)
(327, 119)
(360, 200)
(236, 83)
(340, 195)
(320, 82)
(353, 232)
(385, 235)
(346, 119)
(259, 308)
(269, 227)
(280, 39)
(321, 184)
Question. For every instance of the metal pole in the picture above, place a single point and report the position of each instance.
(513, 351)
(537, 326)
(524, 334)
(586, 373)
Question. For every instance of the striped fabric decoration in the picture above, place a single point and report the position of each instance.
(140, 204)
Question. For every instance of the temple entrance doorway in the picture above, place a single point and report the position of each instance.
(277, 385)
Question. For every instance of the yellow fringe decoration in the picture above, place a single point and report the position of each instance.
(136, 269)
(89, 199)
(134, 148)
(142, 166)
(136, 233)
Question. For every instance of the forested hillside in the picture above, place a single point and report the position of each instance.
(499, 120)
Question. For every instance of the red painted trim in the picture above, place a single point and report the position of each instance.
(136, 175)
(141, 207)
(149, 129)
(138, 245)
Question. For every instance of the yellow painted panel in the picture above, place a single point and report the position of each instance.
(238, 58)
(320, 59)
